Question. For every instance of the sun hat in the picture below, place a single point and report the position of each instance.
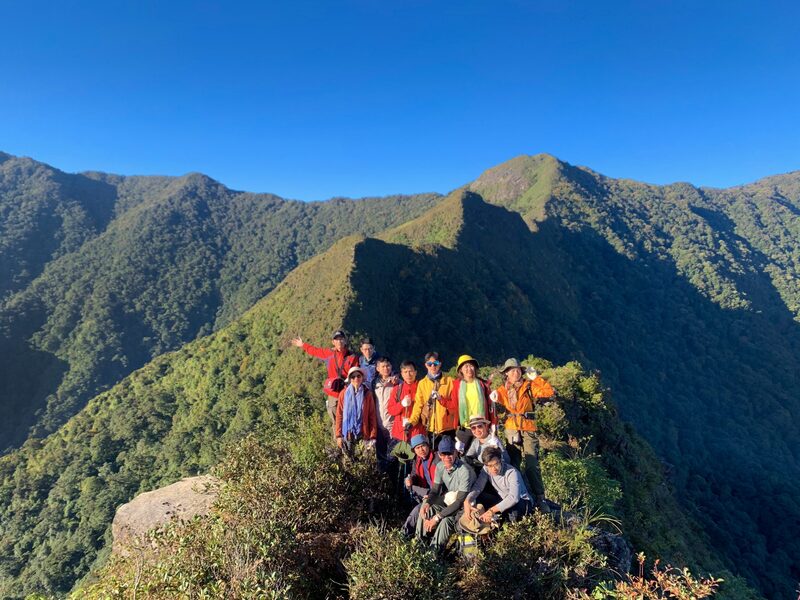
(478, 420)
(464, 359)
(474, 525)
(511, 363)
(352, 370)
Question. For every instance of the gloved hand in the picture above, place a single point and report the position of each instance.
(434, 395)
(406, 402)
(531, 373)
(406, 423)
(460, 446)
(493, 396)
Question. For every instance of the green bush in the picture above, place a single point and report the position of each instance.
(385, 565)
(579, 482)
(534, 558)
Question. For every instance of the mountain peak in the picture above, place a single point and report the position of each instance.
(523, 184)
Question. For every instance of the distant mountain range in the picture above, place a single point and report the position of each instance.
(686, 300)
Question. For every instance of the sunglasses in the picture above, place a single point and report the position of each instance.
(445, 454)
(481, 426)
(356, 376)
(433, 363)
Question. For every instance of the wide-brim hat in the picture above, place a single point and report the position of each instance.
(464, 359)
(478, 420)
(352, 370)
(511, 363)
(474, 525)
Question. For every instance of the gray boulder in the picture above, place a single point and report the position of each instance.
(181, 500)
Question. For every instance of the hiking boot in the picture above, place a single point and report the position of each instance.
(541, 505)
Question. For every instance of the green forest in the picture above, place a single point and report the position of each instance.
(683, 300)
(134, 267)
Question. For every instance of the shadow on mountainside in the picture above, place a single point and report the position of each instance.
(710, 388)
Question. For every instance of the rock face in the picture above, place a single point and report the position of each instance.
(182, 500)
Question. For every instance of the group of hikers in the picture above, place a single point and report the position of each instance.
(440, 434)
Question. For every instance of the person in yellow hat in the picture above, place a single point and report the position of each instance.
(470, 394)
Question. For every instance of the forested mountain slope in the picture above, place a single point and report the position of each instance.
(683, 298)
(101, 273)
(175, 416)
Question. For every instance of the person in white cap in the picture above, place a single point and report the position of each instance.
(356, 421)
(482, 437)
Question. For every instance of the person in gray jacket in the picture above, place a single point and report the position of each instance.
(515, 500)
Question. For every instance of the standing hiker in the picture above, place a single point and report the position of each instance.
(355, 414)
(470, 396)
(429, 402)
(338, 361)
(368, 360)
(382, 389)
(519, 397)
(401, 404)
(439, 511)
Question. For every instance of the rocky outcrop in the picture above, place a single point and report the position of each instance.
(181, 500)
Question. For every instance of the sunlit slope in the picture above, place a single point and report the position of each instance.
(166, 420)
(174, 416)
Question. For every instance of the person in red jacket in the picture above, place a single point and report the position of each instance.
(470, 395)
(338, 361)
(401, 404)
(420, 481)
(356, 421)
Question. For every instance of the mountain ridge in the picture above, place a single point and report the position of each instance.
(683, 298)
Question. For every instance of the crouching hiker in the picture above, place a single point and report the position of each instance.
(482, 438)
(420, 481)
(355, 415)
(441, 507)
(515, 500)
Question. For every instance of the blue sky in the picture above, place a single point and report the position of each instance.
(317, 99)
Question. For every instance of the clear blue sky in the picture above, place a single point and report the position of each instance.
(317, 99)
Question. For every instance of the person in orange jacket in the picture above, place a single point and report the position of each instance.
(356, 420)
(519, 396)
(338, 361)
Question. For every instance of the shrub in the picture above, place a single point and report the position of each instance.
(385, 565)
(669, 582)
(534, 558)
(579, 482)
